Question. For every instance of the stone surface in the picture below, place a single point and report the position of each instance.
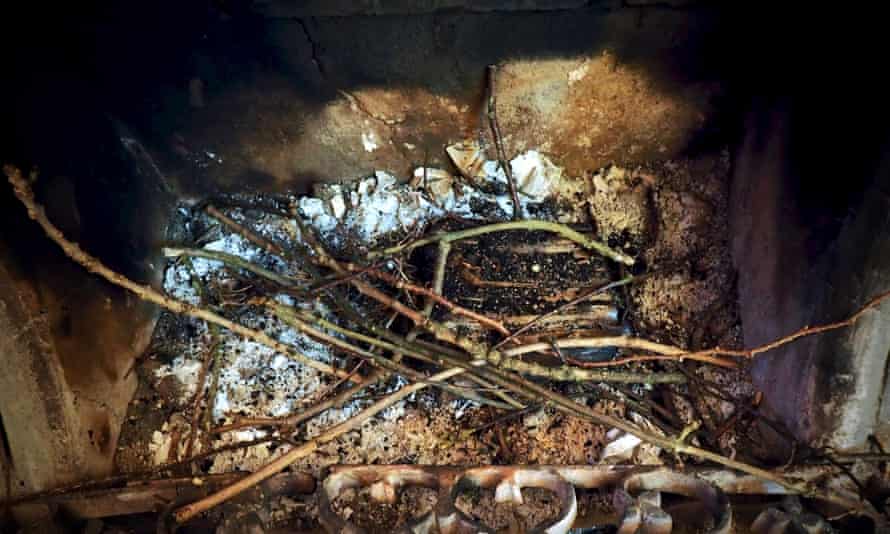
(588, 87)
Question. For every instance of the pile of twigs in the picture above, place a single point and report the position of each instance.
(507, 379)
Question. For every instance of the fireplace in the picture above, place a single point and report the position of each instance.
(740, 170)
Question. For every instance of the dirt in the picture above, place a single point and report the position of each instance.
(538, 507)
(358, 507)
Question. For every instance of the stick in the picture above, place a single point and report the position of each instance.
(596, 342)
(803, 332)
(305, 415)
(196, 401)
(258, 240)
(665, 352)
(398, 283)
(231, 259)
(344, 279)
(587, 295)
(22, 190)
(214, 384)
(649, 358)
(499, 140)
(531, 225)
(188, 512)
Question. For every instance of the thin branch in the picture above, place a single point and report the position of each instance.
(439, 279)
(144, 475)
(499, 140)
(569, 373)
(803, 332)
(297, 418)
(188, 512)
(583, 297)
(230, 259)
(214, 382)
(256, 239)
(531, 225)
(23, 191)
(650, 358)
(625, 342)
(399, 283)
(357, 271)
(196, 400)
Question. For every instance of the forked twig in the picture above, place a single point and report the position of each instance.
(499, 140)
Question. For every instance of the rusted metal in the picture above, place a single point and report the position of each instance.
(637, 493)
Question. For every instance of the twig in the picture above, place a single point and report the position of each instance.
(136, 476)
(208, 357)
(499, 140)
(295, 419)
(322, 393)
(357, 271)
(625, 342)
(439, 279)
(398, 283)
(466, 272)
(230, 259)
(569, 373)
(258, 240)
(506, 417)
(23, 191)
(188, 512)
(214, 382)
(650, 358)
(530, 225)
(583, 297)
(803, 332)
(196, 401)
(296, 321)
